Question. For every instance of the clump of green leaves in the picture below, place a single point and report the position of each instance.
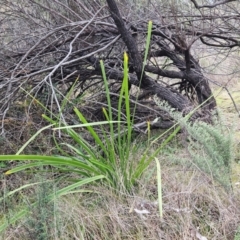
(210, 146)
(211, 150)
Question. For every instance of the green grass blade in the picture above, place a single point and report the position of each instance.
(77, 151)
(23, 167)
(79, 191)
(19, 189)
(87, 124)
(148, 41)
(32, 138)
(123, 93)
(65, 190)
(127, 102)
(159, 184)
(100, 165)
(91, 130)
(47, 160)
(49, 119)
(82, 143)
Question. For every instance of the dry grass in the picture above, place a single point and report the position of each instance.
(194, 206)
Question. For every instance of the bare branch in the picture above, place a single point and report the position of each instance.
(59, 42)
(212, 5)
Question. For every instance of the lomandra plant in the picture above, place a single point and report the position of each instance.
(109, 156)
(109, 159)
